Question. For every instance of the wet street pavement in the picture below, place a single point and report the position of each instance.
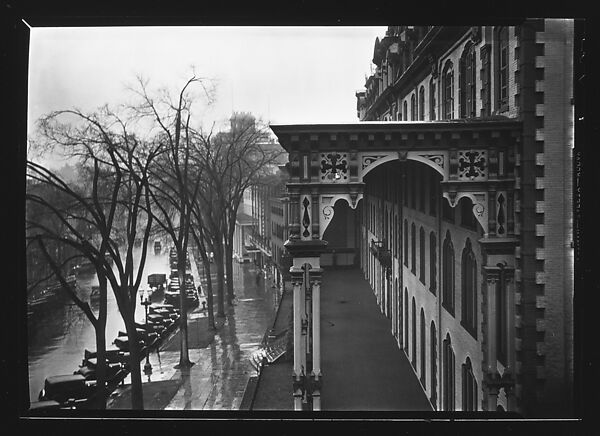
(58, 334)
(222, 368)
(57, 338)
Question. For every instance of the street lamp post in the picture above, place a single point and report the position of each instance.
(145, 301)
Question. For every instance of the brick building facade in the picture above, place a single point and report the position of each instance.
(483, 73)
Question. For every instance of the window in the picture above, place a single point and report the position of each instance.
(422, 255)
(448, 274)
(467, 70)
(413, 108)
(485, 81)
(432, 101)
(469, 289)
(413, 249)
(448, 90)
(422, 103)
(405, 110)
(469, 387)
(448, 374)
(423, 349)
(502, 68)
(405, 238)
(432, 262)
(413, 356)
(433, 366)
(405, 319)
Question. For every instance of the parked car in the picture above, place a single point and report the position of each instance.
(66, 388)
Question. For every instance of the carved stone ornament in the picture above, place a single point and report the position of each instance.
(305, 218)
(472, 164)
(368, 160)
(334, 167)
(437, 159)
(501, 214)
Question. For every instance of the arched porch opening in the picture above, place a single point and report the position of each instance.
(341, 235)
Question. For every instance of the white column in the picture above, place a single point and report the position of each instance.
(298, 305)
(492, 364)
(316, 342)
(510, 337)
(304, 327)
(316, 333)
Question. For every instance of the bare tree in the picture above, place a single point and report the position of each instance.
(174, 185)
(240, 157)
(114, 205)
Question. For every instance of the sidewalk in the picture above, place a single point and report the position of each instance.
(222, 368)
(363, 368)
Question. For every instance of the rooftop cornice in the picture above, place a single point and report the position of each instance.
(399, 126)
(407, 134)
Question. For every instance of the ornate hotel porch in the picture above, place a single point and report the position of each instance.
(363, 368)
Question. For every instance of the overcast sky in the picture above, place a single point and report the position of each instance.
(280, 74)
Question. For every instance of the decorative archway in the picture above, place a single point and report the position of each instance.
(475, 158)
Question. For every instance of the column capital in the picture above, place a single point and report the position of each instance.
(491, 274)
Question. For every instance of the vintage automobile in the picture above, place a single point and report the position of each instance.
(69, 388)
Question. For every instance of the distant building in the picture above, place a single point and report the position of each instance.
(261, 226)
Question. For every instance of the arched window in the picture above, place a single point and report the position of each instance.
(432, 262)
(413, 356)
(448, 90)
(413, 108)
(448, 274)
(467, 70)
(406, 319)
(448, 374)
(469, 387)
(413, 249)
(397, 312)
(405, 238)
(422, 255)
(469, 289)
(433, 365)
(405, 111)
(502, 68)
(432, 101)
(423, 351)
(422, 103)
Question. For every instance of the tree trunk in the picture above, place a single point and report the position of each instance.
(229, 269)
(209, 294)
(100, 395)
(137, 394)
(184, 356)
(220, 280)
(100, 329)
